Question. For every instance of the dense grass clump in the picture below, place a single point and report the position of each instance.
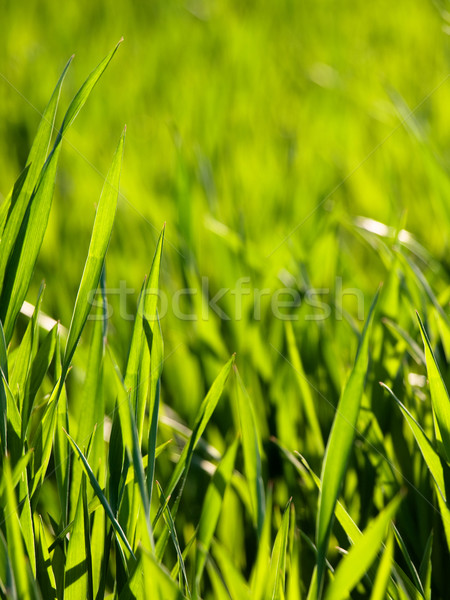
(260, 419)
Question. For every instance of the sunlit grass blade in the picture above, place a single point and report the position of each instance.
(173, 534)
(339, 446)
(15, 545)
(101, 234)
(211, 510)
(277, 571)
(407, 558)
(34, 223)
(360, 556)
(101, 496)
(203, 416)
(76, 579)
(157, 581)
(425, 569)
(157, 359)
(439, 394)
(25, 185)
(235, 582)
(251, 444)
(384, 570)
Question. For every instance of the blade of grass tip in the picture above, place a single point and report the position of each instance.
(277, 571)
(34, 224)
(439, 395)
(101, 234)
(101, 496)
(25, 184)
(339, 446)
(14, 541)
(251, 444)
(384, 570)
(203, 416)
(212, 506)
(173, 534)
(360, 556)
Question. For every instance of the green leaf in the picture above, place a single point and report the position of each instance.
(339, 446)
(76, 578)
(101, 234)
(260, 573)
(362, 554)
(46, 576)
(439, 395)
(236, 584)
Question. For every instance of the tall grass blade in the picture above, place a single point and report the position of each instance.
(101, 234)
(339, 446)
(362, 554)
(439, 394)
(384, 570)
(277, 571)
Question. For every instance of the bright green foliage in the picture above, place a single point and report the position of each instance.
(167, 442)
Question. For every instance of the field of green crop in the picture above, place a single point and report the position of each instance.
(225, 328)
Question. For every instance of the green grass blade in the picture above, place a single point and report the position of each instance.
(439, 394)
(430, 456)
(425, 569)
(277, 571)
(173, 534)
(203, 416)
(101, 496)
(25, 185)
(46, 576)
(157, 359)
(157, 581)
(34, 223)
(258, 579)
(236, 584)
(212, 505)
(76, 578)
(251, 444)
(15, 546)
(384, 570)
(101, 234)
(362, 554)
(339, 446)
(408, 561)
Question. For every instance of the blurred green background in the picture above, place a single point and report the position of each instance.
(260, 132)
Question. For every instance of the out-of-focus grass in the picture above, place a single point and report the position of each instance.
(266, 136)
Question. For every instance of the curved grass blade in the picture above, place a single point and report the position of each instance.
(25, 184)
(101, 234)
(439, 394)
(211, 509)
(339, 446)
(360, 556)
(101, 496)
(34, 223)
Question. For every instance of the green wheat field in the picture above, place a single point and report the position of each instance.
(224, 326)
